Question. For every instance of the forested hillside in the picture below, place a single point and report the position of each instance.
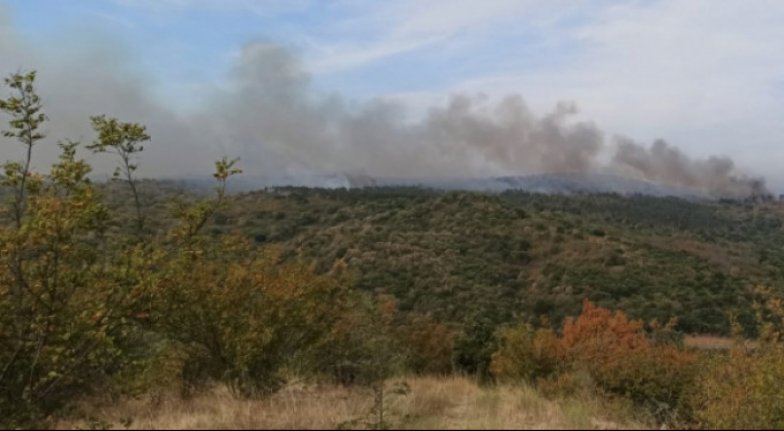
(465, 257)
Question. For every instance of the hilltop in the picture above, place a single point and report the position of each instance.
(547, 183)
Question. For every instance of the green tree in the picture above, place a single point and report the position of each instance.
(126, 141)
(361, 349)
(24, 107)
(193, 217)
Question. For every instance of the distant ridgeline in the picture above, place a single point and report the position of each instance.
(468, 258)
(564, 183)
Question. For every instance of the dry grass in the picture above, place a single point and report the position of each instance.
(459, 403)
(292, 408)
(708, 342)
(431, 402)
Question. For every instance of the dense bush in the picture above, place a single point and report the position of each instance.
(622, 360)
(462, 257)
(372, 339)
(742, 389)
(527, 354)
(62, 318)
(613, 351)
(244, 316)
(428, 345)
(361, 347)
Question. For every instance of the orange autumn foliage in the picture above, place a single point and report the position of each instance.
(612, 349)
(597, 328)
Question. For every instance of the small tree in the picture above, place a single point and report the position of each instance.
(361, 349)
(194, 217)
(126, 141)
(24, 107)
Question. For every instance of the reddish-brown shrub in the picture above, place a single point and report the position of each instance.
(609, 349)
(429, 344)
(596, 329)
(623, 360)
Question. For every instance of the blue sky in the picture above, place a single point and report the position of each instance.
(708, 75)
(359, 48)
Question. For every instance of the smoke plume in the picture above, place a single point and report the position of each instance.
(268, 114)
(666, 164)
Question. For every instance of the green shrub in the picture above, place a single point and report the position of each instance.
(743, 389)
(526, 354)
(246, 316)
(361, 347)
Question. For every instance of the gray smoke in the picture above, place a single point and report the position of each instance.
(272, 109)
(665, 164)
(268, 114)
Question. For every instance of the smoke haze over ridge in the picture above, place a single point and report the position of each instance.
(268, 114)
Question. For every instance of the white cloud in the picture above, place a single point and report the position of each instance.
(260, 7)
(404, 26)
(332, 59)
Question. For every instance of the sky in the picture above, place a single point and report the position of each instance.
(706, 75)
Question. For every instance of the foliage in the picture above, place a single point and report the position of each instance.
(742, 390)
(623, 360)
(429, 344)
(24, 107)
(125, 140)
(361, 347)
(614, 351)
(475, 259)
(474, 347)
(61, 315)
(527, 354)
(242, 316)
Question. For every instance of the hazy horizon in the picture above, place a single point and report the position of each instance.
(682, 94)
